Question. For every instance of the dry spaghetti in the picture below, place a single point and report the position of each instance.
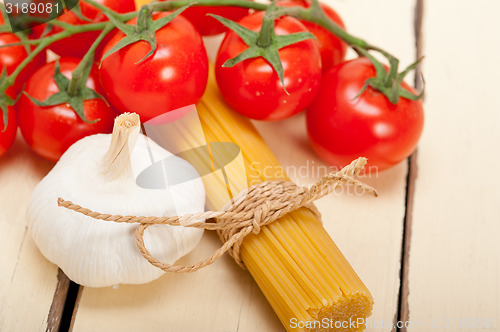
(258, 206)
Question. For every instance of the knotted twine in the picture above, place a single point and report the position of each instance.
(247, 213)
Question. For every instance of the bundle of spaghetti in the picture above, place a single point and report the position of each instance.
(298, 267)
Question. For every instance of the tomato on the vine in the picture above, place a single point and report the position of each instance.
(77, 45)
(51, 130)
(174, 76)
(343, 126)
(12, 56)
(208, 26)
(7, 135)
(254, 89)
(331, 47)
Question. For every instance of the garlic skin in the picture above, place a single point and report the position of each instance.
(95, 175)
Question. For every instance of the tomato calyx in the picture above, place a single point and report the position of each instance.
(143, 31)
(72, 94)
(265, 43)
(389, 82)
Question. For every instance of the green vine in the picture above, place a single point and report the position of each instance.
(387, 82)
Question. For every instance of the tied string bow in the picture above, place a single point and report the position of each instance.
(247, 213)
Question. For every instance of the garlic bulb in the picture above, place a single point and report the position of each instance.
(99, 172)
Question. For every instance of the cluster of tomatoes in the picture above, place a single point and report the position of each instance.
(341, 124)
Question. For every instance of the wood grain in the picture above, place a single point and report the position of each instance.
(28, 282)
(455, 252)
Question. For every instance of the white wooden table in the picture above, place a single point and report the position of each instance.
(427, 248)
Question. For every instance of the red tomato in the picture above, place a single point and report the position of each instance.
(254, 89)
(12, 56)
(208, 26)
(342, 127)
(77, 45)
(332, 48)
(37, 31)
(51, 130)
(7, 137)
(173, 77)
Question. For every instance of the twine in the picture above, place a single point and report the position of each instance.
(247, 213)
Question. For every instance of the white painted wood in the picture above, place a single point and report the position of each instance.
(455, 252)
(27, 280)
(368, 230)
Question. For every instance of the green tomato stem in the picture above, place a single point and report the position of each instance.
(143, 18)
(42, 43)
(41, 46)
(314, 14)
(81, 73)
(267, 30)
(169, 5)
(320, 18)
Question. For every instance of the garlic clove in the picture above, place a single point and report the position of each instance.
(99, 172)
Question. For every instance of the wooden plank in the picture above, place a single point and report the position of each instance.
(403, 314)
(369, 231)
(454, 252)
(28, 282)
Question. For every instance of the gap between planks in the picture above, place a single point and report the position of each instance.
(403, 306)
(58, 302)
(75, 308)
(64, 303)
